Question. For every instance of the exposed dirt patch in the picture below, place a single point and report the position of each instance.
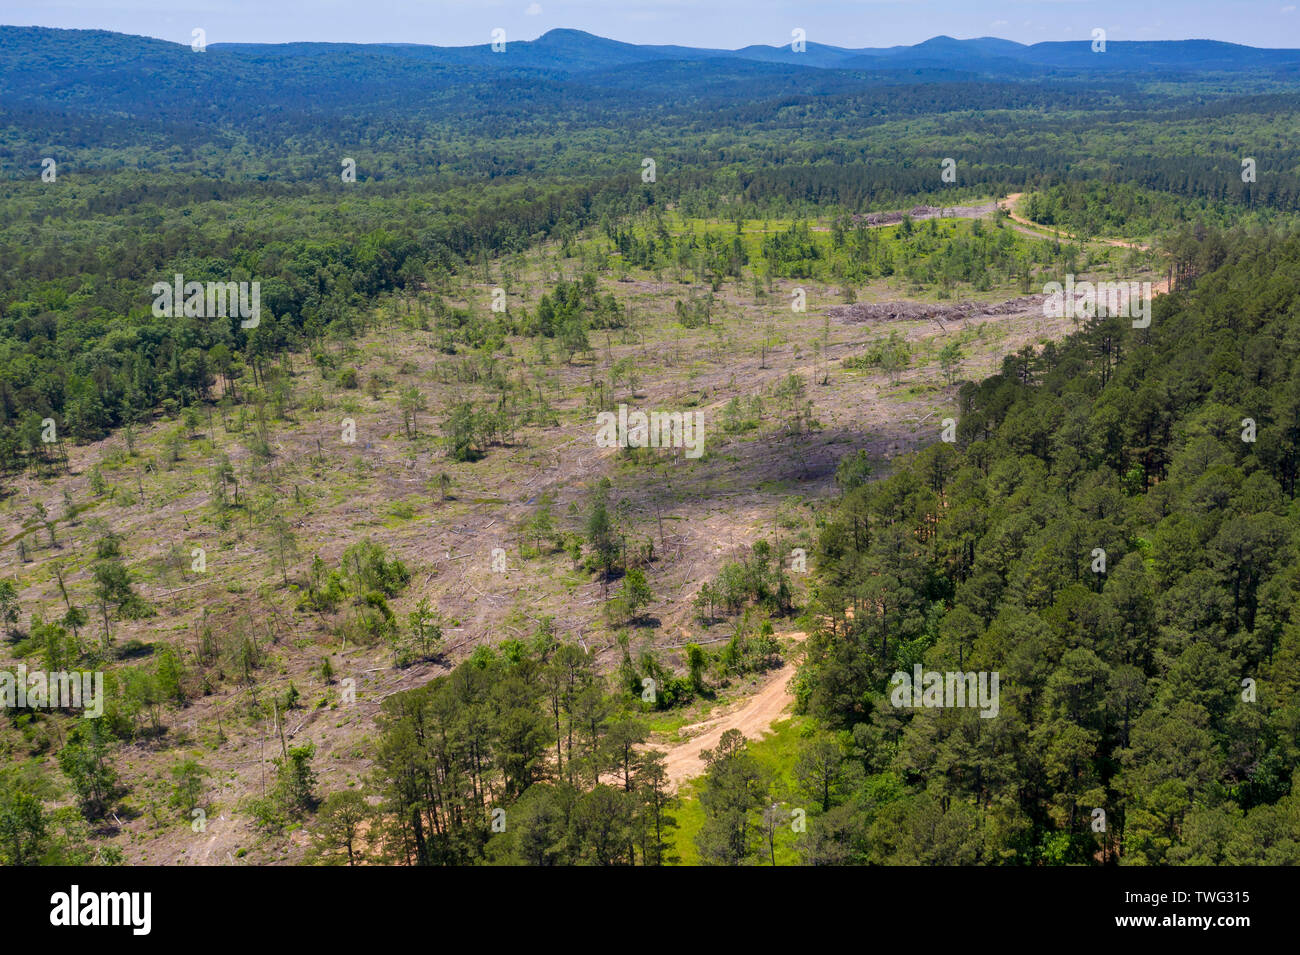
(753, 717)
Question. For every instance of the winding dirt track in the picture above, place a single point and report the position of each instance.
(753, 718)
(1009, 207)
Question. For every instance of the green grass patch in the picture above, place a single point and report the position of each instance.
(777, 753)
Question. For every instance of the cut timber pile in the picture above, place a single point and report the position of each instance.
(926, 212)
(912, 311)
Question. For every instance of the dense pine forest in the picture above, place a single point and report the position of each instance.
(363, 589)
(1159, 686)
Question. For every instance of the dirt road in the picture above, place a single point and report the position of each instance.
(1008, 206)
(754, 717)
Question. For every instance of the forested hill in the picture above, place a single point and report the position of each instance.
(108, 101)
(1116, 532)
(68, 69)
(574, 51)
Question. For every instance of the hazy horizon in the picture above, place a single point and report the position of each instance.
(729, 26)
(775, 45)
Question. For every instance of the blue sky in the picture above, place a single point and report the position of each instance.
(711, 23)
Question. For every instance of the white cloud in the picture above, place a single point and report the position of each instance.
(534, 9)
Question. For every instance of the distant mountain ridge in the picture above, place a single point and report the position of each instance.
(96, 88)
(575, 51)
